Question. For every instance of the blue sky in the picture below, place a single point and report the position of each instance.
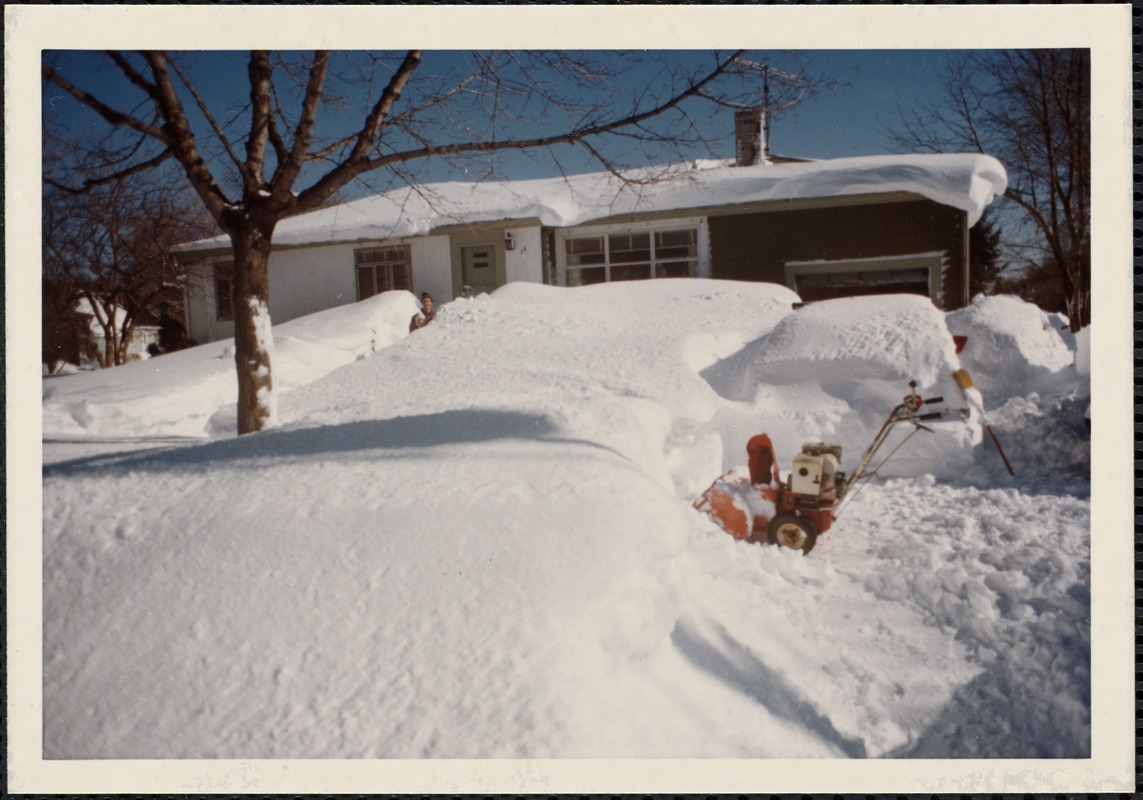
(849, 120)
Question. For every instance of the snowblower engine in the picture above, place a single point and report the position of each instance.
(756, 505)
(814, 475)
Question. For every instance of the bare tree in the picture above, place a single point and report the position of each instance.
(984, 267)
(250, 175)
(110, 247)
(1032, 110)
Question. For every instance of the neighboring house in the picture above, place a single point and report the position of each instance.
(824, 228)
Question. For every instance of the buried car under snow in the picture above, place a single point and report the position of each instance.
(861, 359)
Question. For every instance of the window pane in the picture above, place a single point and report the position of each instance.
(587, 259)
(675, 252)
(365, 287)
(584, 277)
(586, 244)
(631, 256)
(676, 245)
(584, 251)
(631, 273)
(402, 277)
(673, 269)
(629, 248)
(684, 238)
(224, 298)
(383, 284)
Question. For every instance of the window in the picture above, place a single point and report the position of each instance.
(380, 269)
(631, 256)
(224, 290)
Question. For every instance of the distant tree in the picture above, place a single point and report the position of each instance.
(1039, 285)
(282, 162)
(64, 333)
(109, 250)
(1032, 110)
(983, 256)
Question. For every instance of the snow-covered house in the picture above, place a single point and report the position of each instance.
(824, 228)
(146, 331)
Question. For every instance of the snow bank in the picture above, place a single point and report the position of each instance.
(1013, 347)
(965, 181)
(833, 371)
(1033, 377)
(193, 392)
(478, 541)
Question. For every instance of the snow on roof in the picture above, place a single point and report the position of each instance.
(965, 181)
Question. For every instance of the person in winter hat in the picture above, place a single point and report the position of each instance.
(425, 316)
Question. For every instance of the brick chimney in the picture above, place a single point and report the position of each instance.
(747, 137)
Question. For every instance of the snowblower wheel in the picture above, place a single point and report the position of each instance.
(793, 531)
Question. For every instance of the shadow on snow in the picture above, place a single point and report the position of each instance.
(442, 429)
(740, 669)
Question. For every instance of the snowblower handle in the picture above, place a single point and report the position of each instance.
(932, 400)
(934, 415)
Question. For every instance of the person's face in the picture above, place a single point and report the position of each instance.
(428, 303)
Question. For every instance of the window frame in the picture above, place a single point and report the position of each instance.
(602, 259)
(387, 257)
(222, 275)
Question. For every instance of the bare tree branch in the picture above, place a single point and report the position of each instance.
(288, 170)
(1030, 109)
(202, 107)
(113, 117)
(91, 183)
(181, 140)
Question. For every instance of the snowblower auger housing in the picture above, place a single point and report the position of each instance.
(756, 505)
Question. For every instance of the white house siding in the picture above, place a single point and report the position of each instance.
(525, 261)
(203, 324)
(432, 267)
(308, 279)
(305, 280)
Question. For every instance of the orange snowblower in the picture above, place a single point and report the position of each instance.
(760, 507)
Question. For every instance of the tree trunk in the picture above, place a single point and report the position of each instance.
(123, 346)
(253, 340)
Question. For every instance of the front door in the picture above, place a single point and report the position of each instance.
(478, 269)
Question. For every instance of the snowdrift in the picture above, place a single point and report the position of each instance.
(1034, 377)
(477, 541)
(193, 392)
(833, 370)
(1012, 348)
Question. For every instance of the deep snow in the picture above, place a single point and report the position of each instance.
(478, 541)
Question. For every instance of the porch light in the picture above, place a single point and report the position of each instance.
(509, 242)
